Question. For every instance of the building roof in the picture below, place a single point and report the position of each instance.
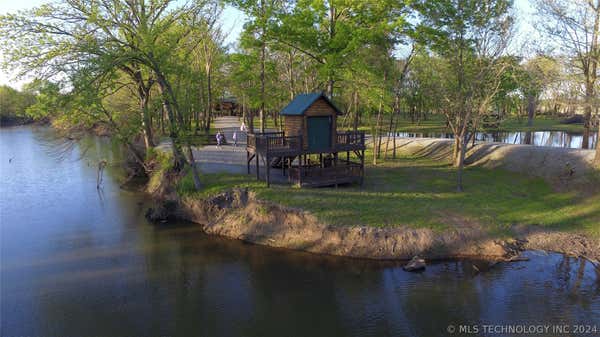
(300, 103)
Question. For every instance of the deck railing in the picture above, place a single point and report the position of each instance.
(323, 176)
(350, 139)
(274, 142)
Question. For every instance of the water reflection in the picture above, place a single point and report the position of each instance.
(537, 138)
(72, 265)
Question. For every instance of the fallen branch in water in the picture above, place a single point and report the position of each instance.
(101, 166)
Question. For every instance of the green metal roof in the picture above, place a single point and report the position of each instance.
(300, 103)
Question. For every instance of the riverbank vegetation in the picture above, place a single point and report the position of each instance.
(146, 70)
(13, 106)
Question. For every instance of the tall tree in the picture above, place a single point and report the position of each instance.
(333, 32)
(536, 75)
(573, 25)
(471, 36)
(261, 13)
(59, 40)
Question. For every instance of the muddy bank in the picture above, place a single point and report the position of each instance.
(239, 215)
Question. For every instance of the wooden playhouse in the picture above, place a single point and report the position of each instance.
(310, 150)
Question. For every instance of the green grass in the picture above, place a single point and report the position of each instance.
(437, 123)
(540, 123)
(422, 193)
(269, 124)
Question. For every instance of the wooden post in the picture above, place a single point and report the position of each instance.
(300, 171)
(321, 160)
(257, 164)
(248, 160)
(362, 168)
(334, 164)
(268, 164)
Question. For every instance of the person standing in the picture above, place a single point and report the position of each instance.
(219, 139)
(234, 137)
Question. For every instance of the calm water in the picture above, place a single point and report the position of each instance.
(538, 138)
(75, 262)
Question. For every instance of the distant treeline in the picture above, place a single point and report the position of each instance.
(14, 105)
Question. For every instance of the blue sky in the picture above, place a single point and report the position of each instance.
(233, 20)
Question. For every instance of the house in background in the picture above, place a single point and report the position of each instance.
(310, 150)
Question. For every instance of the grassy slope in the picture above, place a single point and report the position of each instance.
(421, 193)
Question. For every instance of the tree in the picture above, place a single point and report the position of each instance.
(536, 75)
(99, 38)
(471, 37)
(256, 31)
(332, 33)
(14, 103)
(573, 25)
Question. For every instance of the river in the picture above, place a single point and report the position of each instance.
(80, 262)
(538, 138)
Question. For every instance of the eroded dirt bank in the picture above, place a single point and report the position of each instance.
(239, 215)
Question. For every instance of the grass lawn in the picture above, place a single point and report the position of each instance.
(540, 123)
(422, 193)
(437, 123)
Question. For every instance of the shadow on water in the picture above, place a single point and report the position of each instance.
(538, 138)
(75, 262)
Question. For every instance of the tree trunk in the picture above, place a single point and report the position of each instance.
(332, 21)
(460, 164)
(587, 125)
(597, 158)
(391, 126)
(291, 73)
(530, 109)
(377, 133)
(455, 150)
(146, 124)
(209, 98)
(195, 174)
(170, 104)
(356, 113)
(263, 48)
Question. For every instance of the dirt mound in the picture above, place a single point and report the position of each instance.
(561, 167)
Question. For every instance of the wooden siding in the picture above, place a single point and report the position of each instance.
(321, 108)
(293, 125)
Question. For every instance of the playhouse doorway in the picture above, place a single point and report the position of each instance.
(319, 133)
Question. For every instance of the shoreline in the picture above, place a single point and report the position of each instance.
(8, 122)
(237, 214)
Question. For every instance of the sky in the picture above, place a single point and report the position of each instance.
(233, 20)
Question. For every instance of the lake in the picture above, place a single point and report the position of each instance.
(75, 261)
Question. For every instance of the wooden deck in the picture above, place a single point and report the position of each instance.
(289, 153)
(315, 176)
